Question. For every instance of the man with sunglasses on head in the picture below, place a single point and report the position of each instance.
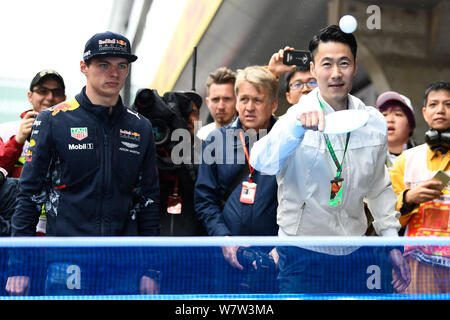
(46, 90)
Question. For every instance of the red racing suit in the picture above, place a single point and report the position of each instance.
(12, 153)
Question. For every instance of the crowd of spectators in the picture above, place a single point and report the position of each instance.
(87, 166)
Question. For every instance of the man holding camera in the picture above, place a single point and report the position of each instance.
(92, 162)
(299, 80)
(309, 163)
(420, 179)
(46, 90)
(231, 198)
(177, 181)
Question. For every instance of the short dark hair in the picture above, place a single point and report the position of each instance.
(405, 109)
(290, 74)
(335, 34)
(436, 86)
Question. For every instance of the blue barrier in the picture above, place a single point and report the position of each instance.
(111, 268)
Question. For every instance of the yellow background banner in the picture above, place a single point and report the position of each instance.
(193, 23)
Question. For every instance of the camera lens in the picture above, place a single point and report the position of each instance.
(161, 131)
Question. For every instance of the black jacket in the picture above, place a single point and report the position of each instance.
(86, 167)
(8, 197)
(233, 218)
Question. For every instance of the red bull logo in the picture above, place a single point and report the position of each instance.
(29, 156)
(69, 105)
(112, 41)
(130, 135)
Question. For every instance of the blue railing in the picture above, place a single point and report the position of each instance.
(195, 268)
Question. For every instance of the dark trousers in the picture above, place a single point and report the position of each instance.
(227, 279)
(366, 270)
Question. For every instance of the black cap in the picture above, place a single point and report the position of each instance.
(46, 74)
(194, 96)
(182, 101)
(108, 44)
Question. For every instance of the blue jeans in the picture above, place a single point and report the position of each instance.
(366, 270)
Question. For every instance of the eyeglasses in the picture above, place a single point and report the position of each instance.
(299, 85)
(43, 91)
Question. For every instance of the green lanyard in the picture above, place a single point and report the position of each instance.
(330, 148)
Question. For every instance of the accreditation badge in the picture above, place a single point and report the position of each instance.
(248, 192)
(336, 192)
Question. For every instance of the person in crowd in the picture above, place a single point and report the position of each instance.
(423, 197)
(299, 80)
(220, 99)
(400, 117)
(46, 90)
(188, 104)
(91, 160)
(177, 182)
(193, 116)
(175, 117)
(309, 165)
(231, 198)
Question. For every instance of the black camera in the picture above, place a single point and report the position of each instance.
(166, 114)
(164, 118)
(438, 140)
(264, 277)
(298, 58)
(264, 261)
